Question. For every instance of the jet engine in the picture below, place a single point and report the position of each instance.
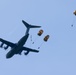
(6, 47)
(1, 44)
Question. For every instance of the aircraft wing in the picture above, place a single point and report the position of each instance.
(7, 43)
(29, 49)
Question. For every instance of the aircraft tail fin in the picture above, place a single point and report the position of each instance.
(29, 26)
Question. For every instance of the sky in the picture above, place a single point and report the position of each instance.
(57, 56)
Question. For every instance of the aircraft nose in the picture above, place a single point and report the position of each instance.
(9, 55)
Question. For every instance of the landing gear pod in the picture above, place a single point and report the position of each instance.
(40, 32)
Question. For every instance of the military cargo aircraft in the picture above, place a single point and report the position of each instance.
(17, 48)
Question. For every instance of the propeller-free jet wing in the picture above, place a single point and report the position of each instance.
(17, 48)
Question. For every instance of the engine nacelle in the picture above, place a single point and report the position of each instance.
(1, 44)
(26, 53)
(6, 47)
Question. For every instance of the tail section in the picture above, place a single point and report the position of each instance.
(29, 26)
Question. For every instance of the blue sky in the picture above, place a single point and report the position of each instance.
(58, 55)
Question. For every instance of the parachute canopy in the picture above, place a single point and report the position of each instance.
(40, 32)
(46, 38)
(74, 12)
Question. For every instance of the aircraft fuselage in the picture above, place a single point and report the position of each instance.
(18, 47)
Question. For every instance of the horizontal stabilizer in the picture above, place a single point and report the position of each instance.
(29, 26)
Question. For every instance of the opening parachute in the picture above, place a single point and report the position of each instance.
(44, 39)
(74, 12)
(74, 18)
(39, 34)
